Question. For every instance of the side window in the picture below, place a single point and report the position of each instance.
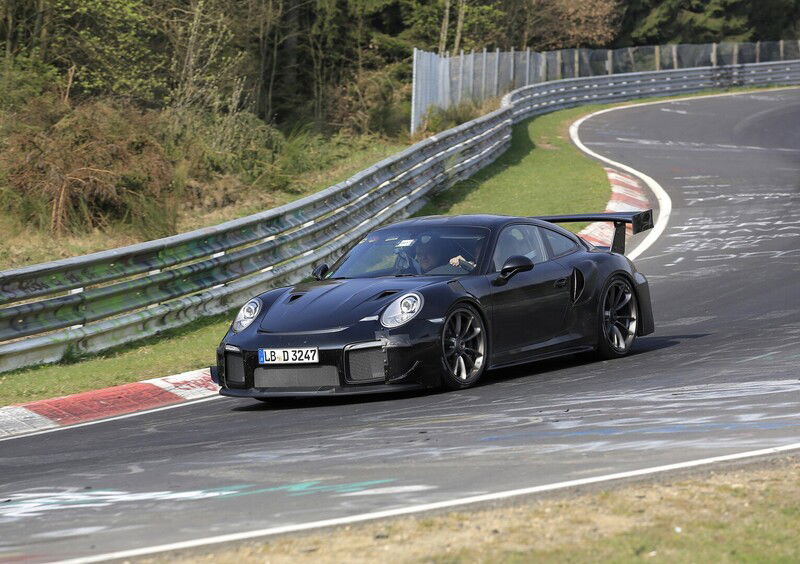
(519, 240)
(559, 244)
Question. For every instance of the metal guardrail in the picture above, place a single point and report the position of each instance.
(97, 301)
(441, 81)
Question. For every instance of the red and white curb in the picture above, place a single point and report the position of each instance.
(99, 404)
(627, 195)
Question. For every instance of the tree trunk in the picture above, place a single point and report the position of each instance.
(9, 31)
(462, 6)
(445, 25)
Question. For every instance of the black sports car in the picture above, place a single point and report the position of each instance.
(436, 301)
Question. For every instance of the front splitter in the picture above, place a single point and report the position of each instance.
(337, 391)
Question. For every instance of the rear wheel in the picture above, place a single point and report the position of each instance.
(619, 312)
(463, 348)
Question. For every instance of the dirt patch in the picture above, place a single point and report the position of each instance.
(724, 516)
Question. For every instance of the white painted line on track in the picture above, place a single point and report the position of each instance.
(664, 201)
(112, 418)
(283, 529)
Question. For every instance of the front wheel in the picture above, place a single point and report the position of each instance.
(463, 348)
(619, 313)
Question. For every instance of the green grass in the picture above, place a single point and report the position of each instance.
(541, 173)
(171, 352)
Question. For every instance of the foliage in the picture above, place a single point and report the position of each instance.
(111, 45)
(83, 168)
(24, 78)
(695, 21)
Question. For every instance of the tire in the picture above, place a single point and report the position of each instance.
(618, 314)
(463, 347)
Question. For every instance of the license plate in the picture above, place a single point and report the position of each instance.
(302, 355)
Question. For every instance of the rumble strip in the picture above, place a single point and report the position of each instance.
(99, 404)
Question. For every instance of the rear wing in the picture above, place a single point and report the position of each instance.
(640, 221)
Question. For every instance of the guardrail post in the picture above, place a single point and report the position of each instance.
(497, 71)
(483, 78)
(658, 57)
(713, 54)
(528, 66)
(558, 64)
(675, 56)
(577, 71)
(609, 61)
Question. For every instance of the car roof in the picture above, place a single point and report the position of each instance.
(474, 220)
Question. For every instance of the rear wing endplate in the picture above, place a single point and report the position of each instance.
(640, 221)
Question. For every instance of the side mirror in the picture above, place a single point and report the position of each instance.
(319, 272)
(513, 265)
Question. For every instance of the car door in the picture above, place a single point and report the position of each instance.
(528, 309)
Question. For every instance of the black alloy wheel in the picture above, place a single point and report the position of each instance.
(619, 317)
(464, 348)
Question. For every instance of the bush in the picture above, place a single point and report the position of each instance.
(377, 101)
(437, 119)
(73, 170)
(23, 79)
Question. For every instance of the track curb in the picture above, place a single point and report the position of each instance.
(627, 194)
(88, 406)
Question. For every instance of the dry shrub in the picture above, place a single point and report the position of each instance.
(375, 101)
(71, 170)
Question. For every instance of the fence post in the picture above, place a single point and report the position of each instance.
(609, 61)
(758, 51)
(780, 48)
(658, 57)
(460, 77)
(513, 64)
(544, 66)
(577, 71)
(675, 56)
(528, 66)
(736, 53)
(415, 83)
(558, 64)
(483, 76)
(497, 71)
(472, 75)
(713, 54)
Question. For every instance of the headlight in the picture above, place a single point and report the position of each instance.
(402, 310)
(246, 315)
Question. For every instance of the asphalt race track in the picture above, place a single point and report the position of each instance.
(721, 375)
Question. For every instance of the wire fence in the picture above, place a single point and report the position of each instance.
(442, 82)
(93, 302)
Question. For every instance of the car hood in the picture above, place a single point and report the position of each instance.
(329, 304)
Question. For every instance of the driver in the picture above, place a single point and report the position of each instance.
(428, 256)
(468, 265)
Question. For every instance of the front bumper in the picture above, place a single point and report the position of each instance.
(355, 360)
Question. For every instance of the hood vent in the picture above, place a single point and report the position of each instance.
(294, 297)
(386, 294)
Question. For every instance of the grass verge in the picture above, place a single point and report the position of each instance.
(748, 515)
(541, 173)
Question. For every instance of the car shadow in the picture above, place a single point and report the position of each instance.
(642, 346)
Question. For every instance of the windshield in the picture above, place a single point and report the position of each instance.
(414, 251)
